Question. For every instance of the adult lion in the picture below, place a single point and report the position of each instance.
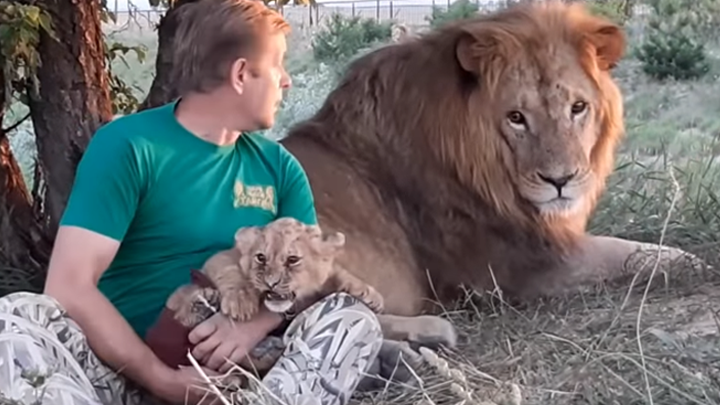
(473, 154)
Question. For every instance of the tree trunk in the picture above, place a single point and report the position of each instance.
(24, 248)
(162, 90)
(73, 99)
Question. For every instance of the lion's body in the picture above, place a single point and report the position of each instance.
(419, 156)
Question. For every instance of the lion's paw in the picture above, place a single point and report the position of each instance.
(373, 299)
(432, 332)
(267, 352)
(396, 362)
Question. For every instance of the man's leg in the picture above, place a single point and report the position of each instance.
(328, 348)
(45, 358)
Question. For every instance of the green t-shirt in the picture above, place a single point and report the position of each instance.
(173, 200)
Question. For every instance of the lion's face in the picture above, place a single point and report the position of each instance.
(549, 88)
(548, 116)
(287, 260)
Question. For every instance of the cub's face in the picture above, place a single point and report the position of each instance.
(287, 260)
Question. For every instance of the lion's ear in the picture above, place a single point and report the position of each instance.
(484, 50)
(332, 243)
(607, 39)
(245, 236)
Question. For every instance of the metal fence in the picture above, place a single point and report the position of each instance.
(408, 13)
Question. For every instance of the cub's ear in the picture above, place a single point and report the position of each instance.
(246, 236)
(607, 40)
(331, 243)
(336, 240)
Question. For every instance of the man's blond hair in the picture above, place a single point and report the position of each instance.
(212, 34)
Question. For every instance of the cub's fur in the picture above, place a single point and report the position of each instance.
(278, 265)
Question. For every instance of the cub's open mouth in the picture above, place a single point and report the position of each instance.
(279, 302)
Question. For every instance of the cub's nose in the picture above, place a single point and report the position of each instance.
(272, 281)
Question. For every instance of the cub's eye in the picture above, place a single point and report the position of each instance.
(292, 260)
(516, 118)
(260, 258)
(578, 107)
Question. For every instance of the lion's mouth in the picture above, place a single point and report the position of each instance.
(276, 302)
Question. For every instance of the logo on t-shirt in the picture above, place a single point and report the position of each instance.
(254, 196)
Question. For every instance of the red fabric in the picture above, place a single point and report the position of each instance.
(167, 338)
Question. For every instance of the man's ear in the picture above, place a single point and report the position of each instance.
(239, 74)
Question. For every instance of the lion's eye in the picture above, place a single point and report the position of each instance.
(260, 258)
(516, 118)
(578, 107)
(293, 260)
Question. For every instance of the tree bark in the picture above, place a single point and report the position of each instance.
(73, 99)
(24, 247)
(162, 90)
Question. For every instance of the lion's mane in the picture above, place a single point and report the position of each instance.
(416, 129)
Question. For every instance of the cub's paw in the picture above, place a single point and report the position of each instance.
(236, 307)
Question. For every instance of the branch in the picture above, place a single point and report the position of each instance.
(15, 125)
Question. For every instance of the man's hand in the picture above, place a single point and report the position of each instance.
(184, 386)
(220, 343)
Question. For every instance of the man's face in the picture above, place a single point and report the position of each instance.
(262, 81)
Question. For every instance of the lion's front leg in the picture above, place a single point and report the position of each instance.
(602, 259)
(263, 356)
(344, 281)
(424, 330)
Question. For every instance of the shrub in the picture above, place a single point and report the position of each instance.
(459, 9)
(672, 55)
(673, 47)
(344, 37)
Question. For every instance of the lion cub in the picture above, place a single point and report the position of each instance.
(276, 266)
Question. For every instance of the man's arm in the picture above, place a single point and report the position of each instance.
(78, 260)
(107, 188)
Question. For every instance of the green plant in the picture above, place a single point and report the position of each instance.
(674, 46)
(672, 55)
(459, 9)
(343, 37)
(616, 10)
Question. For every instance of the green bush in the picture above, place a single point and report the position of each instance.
(672, 55)
(614, 10)
(674, 46)
(458, 10)
(344, 37)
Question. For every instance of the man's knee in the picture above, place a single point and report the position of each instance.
(341, 310)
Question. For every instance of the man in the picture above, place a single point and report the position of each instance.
(157, 193)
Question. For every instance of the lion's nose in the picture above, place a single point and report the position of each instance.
(559, 181)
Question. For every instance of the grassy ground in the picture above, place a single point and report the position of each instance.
(602, 347)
